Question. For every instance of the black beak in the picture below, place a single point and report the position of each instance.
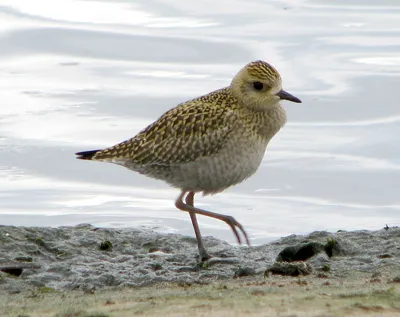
(286, 96)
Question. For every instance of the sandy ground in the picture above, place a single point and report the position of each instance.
(276, 296)
(67, 274)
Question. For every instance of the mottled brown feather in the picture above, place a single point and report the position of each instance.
(263, 71)
(191, 130)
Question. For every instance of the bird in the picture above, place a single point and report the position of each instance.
(210, 143)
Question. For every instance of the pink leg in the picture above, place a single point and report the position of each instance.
(202, 251)
(188, 206)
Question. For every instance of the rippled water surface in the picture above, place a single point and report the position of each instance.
(78, 75)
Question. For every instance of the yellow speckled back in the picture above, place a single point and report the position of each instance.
(192, 129)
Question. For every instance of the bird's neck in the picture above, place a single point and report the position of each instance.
(266, 122)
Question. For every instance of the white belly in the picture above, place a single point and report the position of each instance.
(211, 175)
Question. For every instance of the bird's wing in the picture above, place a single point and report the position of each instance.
(193, 129)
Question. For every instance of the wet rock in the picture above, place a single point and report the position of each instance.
(70, 257)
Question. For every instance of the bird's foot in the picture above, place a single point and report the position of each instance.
(206, 260)
(204, 256)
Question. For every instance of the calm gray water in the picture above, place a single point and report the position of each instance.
(79, 75)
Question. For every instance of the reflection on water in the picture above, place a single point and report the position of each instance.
(82, 74)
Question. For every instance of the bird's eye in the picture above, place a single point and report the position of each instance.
(257, 85)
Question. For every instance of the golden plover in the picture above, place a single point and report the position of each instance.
(209, 143)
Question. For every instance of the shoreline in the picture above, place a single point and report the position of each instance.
(104, 271)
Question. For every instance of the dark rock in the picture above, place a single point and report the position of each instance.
(385, 256)
(184, 269)
(325, 268)
(300, 252)
(106, 246)
(289, 268)
(16, 268)
(334, 248)
(23, 259)
(244, 271)
(156, 266)
(15, 271)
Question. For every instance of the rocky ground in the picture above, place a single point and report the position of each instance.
(88, 271)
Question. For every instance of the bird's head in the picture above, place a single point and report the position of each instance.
(259, 85)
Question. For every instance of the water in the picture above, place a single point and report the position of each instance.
(80, 75)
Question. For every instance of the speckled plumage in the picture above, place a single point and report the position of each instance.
(192, 145)
(211, 142)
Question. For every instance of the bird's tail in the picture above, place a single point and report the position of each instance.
(86, 155)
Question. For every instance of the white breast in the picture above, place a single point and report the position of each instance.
(229, 167)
